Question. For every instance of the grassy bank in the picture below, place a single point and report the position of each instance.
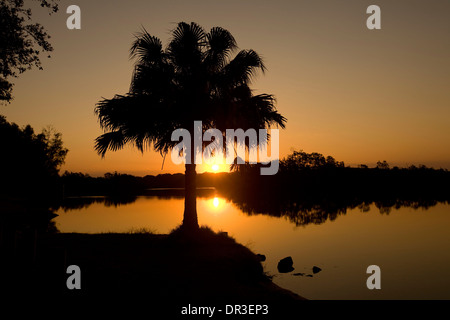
(179, 268)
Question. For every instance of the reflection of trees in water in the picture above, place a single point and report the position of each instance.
(302, 212)
(386, 206)
(77, 203)
(311, 189)
(298, 210)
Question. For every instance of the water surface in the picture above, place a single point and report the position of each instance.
(410, 245)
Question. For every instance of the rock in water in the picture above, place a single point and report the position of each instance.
(285, 265)
(261, 257)
(316, 269)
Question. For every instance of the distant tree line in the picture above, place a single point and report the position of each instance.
(124, 185)
(308, 180)
(307, 175)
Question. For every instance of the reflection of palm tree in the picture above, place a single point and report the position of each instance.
(194, 78)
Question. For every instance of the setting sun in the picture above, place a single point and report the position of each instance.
(215, 167)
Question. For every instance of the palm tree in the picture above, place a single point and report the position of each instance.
(194, 78)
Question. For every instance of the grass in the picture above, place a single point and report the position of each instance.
(172, 270)
(181, 265)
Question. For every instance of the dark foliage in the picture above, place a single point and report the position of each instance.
(311, 188)
(21, 42)
(30, 162)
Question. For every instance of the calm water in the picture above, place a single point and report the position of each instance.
(411, 246)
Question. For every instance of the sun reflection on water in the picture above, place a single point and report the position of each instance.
(216, 205)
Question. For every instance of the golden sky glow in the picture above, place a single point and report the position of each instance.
(356, 94)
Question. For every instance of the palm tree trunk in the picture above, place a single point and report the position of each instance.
(190, 220)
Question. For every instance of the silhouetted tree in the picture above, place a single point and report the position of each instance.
(30, 162)
(299, 160)
(194, 78)
(21, 42)
(382, 165)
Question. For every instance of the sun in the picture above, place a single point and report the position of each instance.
(215, 167)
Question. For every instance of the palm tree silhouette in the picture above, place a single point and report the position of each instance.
(194, 78)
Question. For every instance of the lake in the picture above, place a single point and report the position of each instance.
(410, 245)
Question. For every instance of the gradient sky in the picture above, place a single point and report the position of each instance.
(359, 95)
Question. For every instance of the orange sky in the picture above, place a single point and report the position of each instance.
(356, 94)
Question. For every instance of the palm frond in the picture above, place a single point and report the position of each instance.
(185, 47)
(114, 140)
(221, 44)
(264, 106)
(244, 67)
(115, 113)
(147, 48)
(152, 79)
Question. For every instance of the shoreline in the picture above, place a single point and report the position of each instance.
(172, 269)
